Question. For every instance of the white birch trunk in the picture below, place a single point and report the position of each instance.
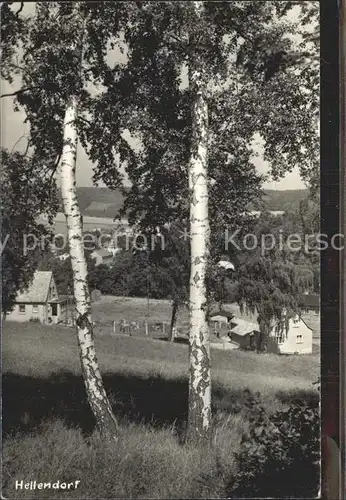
(97, 397)
(199, 410)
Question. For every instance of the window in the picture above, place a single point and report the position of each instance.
(295, 321)
(22, 308)
(299, 339)
(35, 308)
(280, 338)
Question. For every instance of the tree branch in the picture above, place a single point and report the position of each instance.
(20, 9)
(27, 147)
(84, 120)
(17, 141)
(17, 92)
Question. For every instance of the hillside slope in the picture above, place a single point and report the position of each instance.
(104, 202)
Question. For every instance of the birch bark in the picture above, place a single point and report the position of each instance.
(96, 393)
(199, 410)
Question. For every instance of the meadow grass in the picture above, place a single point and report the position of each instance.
(110, 308)
(143, 463)
(136, 309)
(49, 431)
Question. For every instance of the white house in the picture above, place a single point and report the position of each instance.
(226, 265)
(40, 301)
(295, 338)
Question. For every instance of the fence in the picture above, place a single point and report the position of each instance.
(145, 327)
(160, 328)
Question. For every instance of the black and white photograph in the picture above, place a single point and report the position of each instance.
(160, 249)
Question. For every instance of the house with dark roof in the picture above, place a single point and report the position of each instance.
(40, 301)
(309, 302)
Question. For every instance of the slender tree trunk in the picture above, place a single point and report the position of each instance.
(262, 338)
(173, 322)
(199, 409)
(97, 397)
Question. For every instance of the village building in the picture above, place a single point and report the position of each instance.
(226, 264)
(63, 256)
(290, 336)
(40, 302)
(309, 302)
(102, 256)
(219, 323)
(244, 333)
(221, 317)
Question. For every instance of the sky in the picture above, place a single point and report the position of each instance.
(14, 133)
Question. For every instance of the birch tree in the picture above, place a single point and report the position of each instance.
(97, 397)
(199, 414)
(55, 76)
(96, 393)
(244, 55)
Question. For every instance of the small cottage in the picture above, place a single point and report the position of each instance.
(221, 317)
(220, 322)
(39, 302)
(244, 333)
(102, 256)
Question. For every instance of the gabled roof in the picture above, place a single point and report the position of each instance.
(226, 264)
(37, 292)
(303, 321)
(224, 314)
(103, 252)
(243, 327)
(218, 318)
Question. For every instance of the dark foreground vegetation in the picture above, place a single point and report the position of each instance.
(262, 444)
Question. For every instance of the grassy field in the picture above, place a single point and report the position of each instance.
(110, 308)
(49, 431)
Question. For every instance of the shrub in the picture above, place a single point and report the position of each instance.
(279, 455)
(34, 320)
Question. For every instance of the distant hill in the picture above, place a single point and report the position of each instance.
(287, 200)
(99, 201)
(104, 202)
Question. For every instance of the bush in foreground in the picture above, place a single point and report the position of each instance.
(253, 453)
(280, 454)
